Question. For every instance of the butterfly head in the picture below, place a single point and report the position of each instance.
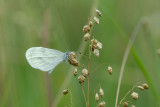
(71, 58)
(66, 56)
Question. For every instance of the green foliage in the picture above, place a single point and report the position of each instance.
(23, 24)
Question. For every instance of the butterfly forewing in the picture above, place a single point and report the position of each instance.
(43, 58)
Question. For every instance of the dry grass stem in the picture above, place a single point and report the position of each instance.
(71, 98)
(84, 95)
(128, 93)
(127, 51)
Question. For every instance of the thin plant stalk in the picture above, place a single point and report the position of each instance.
(89, 64)
(71, 98)
(127, 51)
(84, 95)
(45, 42)
(128, 93)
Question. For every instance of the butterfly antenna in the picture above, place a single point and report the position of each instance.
(80, 53)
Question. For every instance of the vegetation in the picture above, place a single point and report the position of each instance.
(128, 30)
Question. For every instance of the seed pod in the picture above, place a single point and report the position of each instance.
(84, 72)
(102, 104)
(96, 20)
(99, 46)
(65, 92)
(145, 86)
(86, 28)
(134, 95)
(81, 79)
(110, 70)
(72, 55)
(140, 87)
(98, 13)
(86, 36)
(93, 47)
(97, 97)
(101, 92)
(75, 72)
(90, 24)
(96, 52)
(73, 62)
(132, 106)
(94, 42)
(125, 104)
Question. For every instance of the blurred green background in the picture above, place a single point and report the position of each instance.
(58, 24)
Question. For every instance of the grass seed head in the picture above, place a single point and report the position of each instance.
(96, 52)
(65, 91)
(94, 41)
(140, 87)
(90, 24)
(145, 86)
(125, 104)
(75, 72)
(73, 61)
(81, 79)
(101, 92)
(72, 55)
(134, 95)
(98, 13)
(97, 97)
(86, 36)
(99, 46)
(110, 70)
(86, 28)
(102, 104)
(96, 20)
(85, 72)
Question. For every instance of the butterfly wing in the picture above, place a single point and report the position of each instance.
(43, 58)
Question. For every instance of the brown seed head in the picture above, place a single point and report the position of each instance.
(145, 86)
(96, 52)
(102, 104)
(75, 72)
(134, 95)
(72, 55)
(110, 70)
(84, 72)
(94, 42)
(65, 91)
(97, 97)
(86, 28)
(101, 92)
(73, 61)
(96, 20)
(99, 46)
(90, 24)
(98, 13)
(81, 79)
(86, 36)
(125, 104)
(140, 87)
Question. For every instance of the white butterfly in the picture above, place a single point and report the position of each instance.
(45, 59)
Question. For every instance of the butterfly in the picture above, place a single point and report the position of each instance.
(45, 59)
